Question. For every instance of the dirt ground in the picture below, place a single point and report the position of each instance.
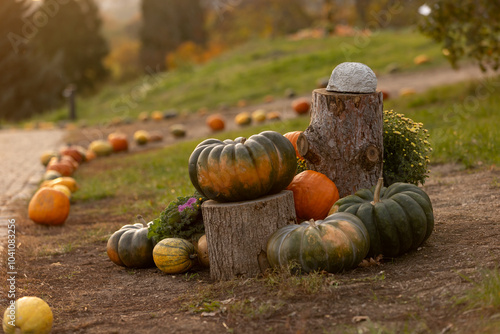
(416, 293)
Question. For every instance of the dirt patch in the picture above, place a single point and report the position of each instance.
(417, 293)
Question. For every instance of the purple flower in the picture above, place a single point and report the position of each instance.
(189, 204)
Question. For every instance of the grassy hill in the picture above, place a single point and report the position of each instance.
(252, 71)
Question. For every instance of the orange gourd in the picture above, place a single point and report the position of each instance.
(301, 106)
(49, 206)
(118, 141)
(314, 194)
(216, 122)
(292, 137)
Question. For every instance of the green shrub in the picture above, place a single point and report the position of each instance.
(406, 150)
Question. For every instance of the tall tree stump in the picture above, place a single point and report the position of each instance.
(237, 233)
(344, 139)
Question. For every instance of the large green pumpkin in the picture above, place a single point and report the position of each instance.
(174, 255)
(398, 218)
(339, 242)
(131, 247)
(242, 169)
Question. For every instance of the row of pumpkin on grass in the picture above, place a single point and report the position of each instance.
(50, 205)
(335, 235)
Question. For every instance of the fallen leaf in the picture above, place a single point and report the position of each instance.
(360, 318)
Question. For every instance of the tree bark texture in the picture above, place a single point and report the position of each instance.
(344, 139)
(237, 233)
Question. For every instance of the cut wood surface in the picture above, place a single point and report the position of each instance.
(344, 139)
(237, 233)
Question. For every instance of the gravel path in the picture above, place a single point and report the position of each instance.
(20, 165)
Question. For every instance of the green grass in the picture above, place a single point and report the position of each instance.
(145, 183)
(252, 71)
(485, 293)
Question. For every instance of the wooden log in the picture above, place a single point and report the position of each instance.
(237, 233)
(344, 139)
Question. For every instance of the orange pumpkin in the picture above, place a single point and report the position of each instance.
(216, 122)
(301, 106)
(74, 152)
(65, 168)
(118, 141)
(292, 137)
(314, 194)
(49, 206)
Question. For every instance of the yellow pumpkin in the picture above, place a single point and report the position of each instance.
(174, 255)
(65, 180)
(49, 206)
(141, 137)
(62, 188)
(28, 315)
(101, 147)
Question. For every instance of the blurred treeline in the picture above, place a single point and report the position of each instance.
(49, 44)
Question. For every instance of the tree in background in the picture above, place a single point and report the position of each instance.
(166, 25)
(73, 33)
(248, 19)
(28, 83)
(466, 29)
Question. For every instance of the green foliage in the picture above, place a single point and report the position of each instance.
(74, 33)
(166, 24)
(301, 165)
(181, 219)
(406, 150)
(486, 291)
(28, 82)
(466, 29)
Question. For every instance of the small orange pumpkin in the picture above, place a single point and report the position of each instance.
(216, 122)
(292, 137)
(49, 206)
(118, 141)
(73, 152)
(301, 106)
(65, 168)
(314, 194)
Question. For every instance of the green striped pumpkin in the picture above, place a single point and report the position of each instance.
(243, 169)
(131, 247)
(174, 255)
(398, 218)
(337, 243)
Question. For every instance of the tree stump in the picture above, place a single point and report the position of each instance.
(237, 233)
(344, 139)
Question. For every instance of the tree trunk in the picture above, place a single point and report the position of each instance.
(237, 233)
(344, 139)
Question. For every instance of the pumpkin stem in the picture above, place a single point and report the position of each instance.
(193, 256)
(378, 188)
(312, 223)
(141, 220)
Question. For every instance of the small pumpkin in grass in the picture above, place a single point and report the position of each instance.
(274, 116)
(292, 137)
(202, 251)
(178, 130)
(155, 136)
(243, 169)
(339, 242)
(101, 147)
(174, 255)
(141, 137)
(243, 118)
(118, 141)
(131, 247)
(301, 106)
(259, 116)
(157, 115)
(28, 315)
(51, 175)
(65, 180)
(63, 167)
(46, 156)
(216, 122)
(398, 218)
(49, 206)
(73, 152)
(313, 194)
